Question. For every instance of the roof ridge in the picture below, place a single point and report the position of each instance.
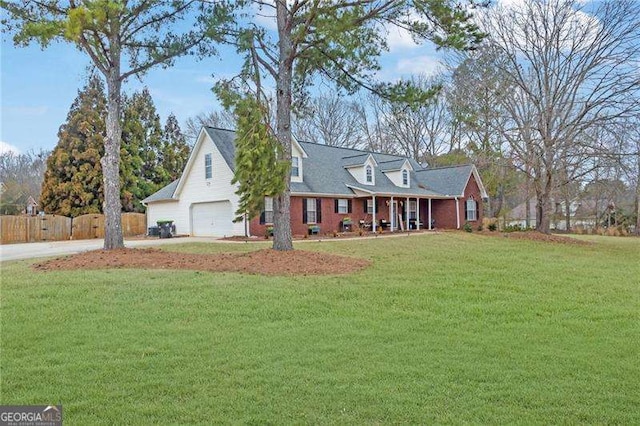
(426, 169)
(219, 128)
(354, 149)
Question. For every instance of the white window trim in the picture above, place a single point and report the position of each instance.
(471, 203)
(268, 210)
(295, 165)
(413, 210)
(373, 179)
(343, 206)
(408, 177)
(208, 167)
(369, 206)
(311, 208)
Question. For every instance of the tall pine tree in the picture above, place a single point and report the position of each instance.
(73, 181)
(141, 151)
(175, 149)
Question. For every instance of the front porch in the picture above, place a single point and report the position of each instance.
(393, 213)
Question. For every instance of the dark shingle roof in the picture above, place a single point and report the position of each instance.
(163, 194)
(446, 180)
(325, 172)
(224, 140)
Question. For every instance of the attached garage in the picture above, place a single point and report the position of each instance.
(213, 219)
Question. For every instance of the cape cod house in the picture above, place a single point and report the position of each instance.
(332, 189)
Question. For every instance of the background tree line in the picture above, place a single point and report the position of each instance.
(152, 155)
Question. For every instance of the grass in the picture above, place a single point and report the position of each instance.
(448, 328)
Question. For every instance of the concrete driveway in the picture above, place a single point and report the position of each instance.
(59, 248)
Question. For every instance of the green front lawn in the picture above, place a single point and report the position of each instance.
(451, 327)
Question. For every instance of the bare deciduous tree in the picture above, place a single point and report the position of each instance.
(573, 71)
(221, 119)
(329, 119)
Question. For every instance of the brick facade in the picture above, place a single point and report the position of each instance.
(443, 212)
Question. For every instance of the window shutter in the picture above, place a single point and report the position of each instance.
(466, 211)
(262, 221)
(336, 205)
(364, 205)
(348, 206)
(375, 206)
(477, 211)
(304, 210)
(318, 210)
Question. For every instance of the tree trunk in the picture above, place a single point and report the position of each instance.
(567, 214)
(282, 238)
(638, 196)
(111, 164)
(544, 209)
(527, 202)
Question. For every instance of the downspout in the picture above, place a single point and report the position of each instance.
(417, 214)
(430, 227)
(457, 213)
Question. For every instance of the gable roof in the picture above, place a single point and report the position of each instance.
(225, 141)
(449, 180)
(325, 172)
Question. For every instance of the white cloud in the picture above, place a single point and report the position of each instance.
(427, 65)
(399, 38)
(7, 147)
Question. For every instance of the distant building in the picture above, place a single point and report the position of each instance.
(31, 209)
(581, 214)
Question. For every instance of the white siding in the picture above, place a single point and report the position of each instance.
(163, 210)
(195, 188)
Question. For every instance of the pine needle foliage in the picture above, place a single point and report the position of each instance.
(259, 172)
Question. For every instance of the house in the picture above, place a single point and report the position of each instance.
(581, 214)
(332, 189)
(31, 209)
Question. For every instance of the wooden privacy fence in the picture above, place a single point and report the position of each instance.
(28, 229)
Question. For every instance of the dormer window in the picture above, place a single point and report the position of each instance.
(369, 174)
(295, 166)
(405, 177)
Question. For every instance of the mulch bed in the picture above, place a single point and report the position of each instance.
(261, 262)
(536, 236)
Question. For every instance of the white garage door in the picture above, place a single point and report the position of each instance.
(211, 219)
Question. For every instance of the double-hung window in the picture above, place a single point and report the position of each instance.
(471, 209)
(312, 214)
(295, 166)
(412, 210)
(405, 177)
(369, 206)
(369, 174)
(343, 206)
(208, 167)
(268, 210)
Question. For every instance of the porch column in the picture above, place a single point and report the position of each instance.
(373, 222)
(429, 227)
(457, 213)
(406, 214)
(417, 214)
(391, 213)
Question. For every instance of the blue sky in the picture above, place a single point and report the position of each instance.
(38, 86)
